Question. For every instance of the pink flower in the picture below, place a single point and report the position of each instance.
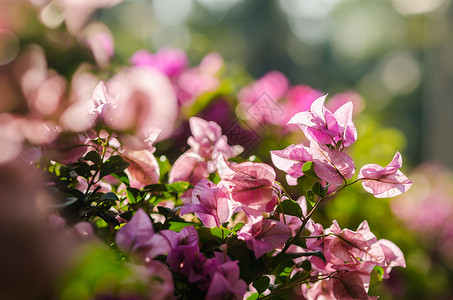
(169, 61)
(143, 168)
(210, 204)
(259, 100)
(291, 160)
(385, 182)
(226, 283)
(189, 167)
(66, 149)
(137, 237)
(263, 235)
(197, 81)
(322, 126)
(394, 257)
(299, 98)
(249, 185)
(331, 165)
(207, 140)
(137, 100)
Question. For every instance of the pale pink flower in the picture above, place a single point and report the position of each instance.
(299, 98)
(210, 203)
(385, 182)
(190, 167)
(322, 126)
(331, 165)
(291, 160)
(139, 99)
(263, 235)
(249, 185)
(143, 168)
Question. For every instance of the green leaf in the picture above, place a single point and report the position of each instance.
(238, 226)
(133, 195)
(284, 271)
(300, 276)
(380, 272)
(109, 196)
(158, 187)
(253, 296)
(261, 284)
(178, 226)
(289, 207)
(179, 187)
(122, 177)
(94, 157)
(319, 190)
(164, 167)
(214, 233)
(310, 196)
(69, 201)
(308, 169)
(114, 164)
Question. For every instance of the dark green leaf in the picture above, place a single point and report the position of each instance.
(319, 190)
(156, 188)
(94, 157)
(300, 276)
(114, 164)
(313, 253)
(109, 196)
(306, 265)
(284, 271)
(289, 207)
(69, 201)
(308, 169)
(261, 284)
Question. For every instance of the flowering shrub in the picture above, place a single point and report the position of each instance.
(211, 225)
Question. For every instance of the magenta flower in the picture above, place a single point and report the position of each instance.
(226, 284)
(322, 126)
(169, 61)
(385, 182)
(291, 160)
(210, 204)
(184, 248)
(137, 238)
(207, 140)
(299, 98)
(249, 185)
(263, 235)
(331, 165)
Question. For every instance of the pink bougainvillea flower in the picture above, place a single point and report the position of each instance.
(210, 204)
(226, 283)
(299, 98)
(156, 276)
(347, 246)
(263, 235)
(291, 160)
(169, 61)
(189, 167)
(66, 149)
(385, 182)
(139, 99)
(143, 168)
(137, 237)
(322, 126)
(331, 165)
(199, 80)
(249, 185)
(394, 257)
(207, 140)
(259, 100)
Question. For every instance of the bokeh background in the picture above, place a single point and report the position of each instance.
(396, 54)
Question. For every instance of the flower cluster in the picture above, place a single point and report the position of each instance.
(132, 224)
